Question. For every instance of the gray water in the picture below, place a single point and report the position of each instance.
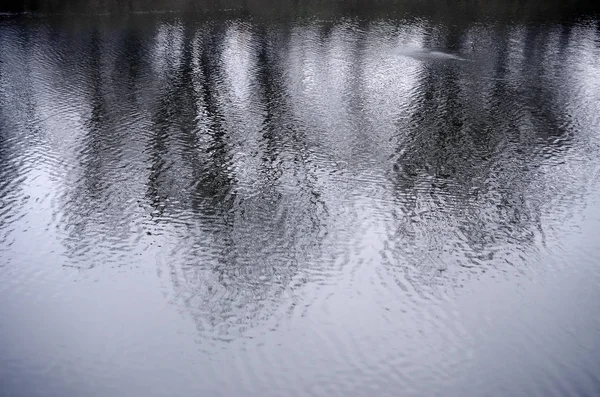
(309, 204)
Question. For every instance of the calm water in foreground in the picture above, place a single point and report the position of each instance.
(327, 205)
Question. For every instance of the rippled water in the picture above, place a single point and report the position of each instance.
(308, 206)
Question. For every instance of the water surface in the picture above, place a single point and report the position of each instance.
(355, 202)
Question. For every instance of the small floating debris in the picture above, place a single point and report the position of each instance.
(425, 54)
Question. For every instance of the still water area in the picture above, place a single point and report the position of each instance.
(312, 199)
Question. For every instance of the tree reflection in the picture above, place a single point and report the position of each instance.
(259, 154)
(97, 203)
(465, 174)
(262, 238)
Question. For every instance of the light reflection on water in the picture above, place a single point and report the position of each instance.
(340, 207)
